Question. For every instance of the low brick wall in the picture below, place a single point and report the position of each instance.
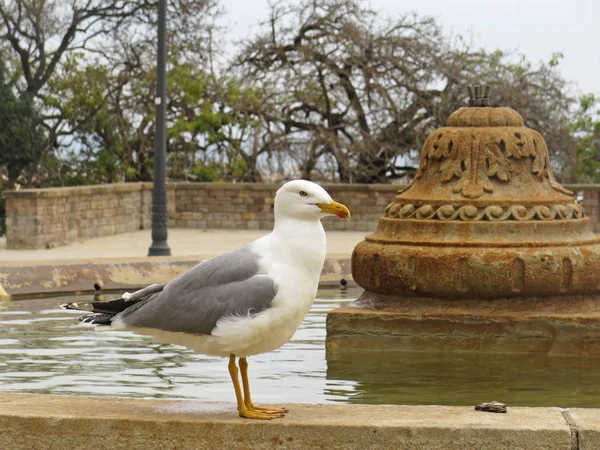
(250, 206)
(42, 218)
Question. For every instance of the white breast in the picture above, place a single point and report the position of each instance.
(295, 266)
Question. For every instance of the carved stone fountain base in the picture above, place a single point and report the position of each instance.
(503, 286)
(484, 250)
(564, 324)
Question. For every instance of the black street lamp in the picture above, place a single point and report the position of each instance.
(159, 246)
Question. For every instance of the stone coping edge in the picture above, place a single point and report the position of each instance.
(147, 186)
(54, 277)
(51, 422)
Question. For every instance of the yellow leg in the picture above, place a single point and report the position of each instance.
(242, 409)
(248, 398)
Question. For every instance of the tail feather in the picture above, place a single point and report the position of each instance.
(112, 307)
(102, 312)
(96, 319)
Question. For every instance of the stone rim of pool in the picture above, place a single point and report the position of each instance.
(20, 279)
(99, 423)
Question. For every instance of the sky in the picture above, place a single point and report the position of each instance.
(534, 28)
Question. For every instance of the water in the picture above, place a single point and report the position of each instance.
(44, 350)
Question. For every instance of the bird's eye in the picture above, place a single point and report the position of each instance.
(302, 194)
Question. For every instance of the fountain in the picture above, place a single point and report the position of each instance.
(484, 250)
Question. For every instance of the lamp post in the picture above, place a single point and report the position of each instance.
(159, 246)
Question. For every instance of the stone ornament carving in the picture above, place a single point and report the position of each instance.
(483, 217)
(476, 156)
(491, 213)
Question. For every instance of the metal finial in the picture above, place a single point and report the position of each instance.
(479, 95)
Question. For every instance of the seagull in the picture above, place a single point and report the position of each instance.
(238, 304)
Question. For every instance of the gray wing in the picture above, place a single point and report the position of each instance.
(229, 284)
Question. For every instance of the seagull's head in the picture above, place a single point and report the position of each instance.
(303, 199)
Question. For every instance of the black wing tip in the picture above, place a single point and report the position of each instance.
(96, 319)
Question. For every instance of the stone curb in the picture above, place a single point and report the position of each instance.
(31, 278)
(585, 428)
(57, 422)
(132, 187)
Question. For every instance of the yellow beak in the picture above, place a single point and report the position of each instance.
(335, 208)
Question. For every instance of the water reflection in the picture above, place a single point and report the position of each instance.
(44, 349)
(464, 378)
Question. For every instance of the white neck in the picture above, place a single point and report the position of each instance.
(301, 232)
(304, 242)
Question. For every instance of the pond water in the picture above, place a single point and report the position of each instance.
(45, 350)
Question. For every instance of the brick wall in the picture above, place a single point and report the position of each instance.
(250, 206)
(41, 218)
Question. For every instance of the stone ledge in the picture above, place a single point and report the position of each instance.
(362, 187)
(68, 191)
(147, 186)
(586, 427)
(57, 422)
(30, 278)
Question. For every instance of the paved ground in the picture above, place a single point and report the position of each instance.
(183, 242)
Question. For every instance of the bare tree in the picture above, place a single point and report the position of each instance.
(327, 89)
(347, 85)
(40, 32)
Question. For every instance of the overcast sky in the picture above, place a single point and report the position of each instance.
(535, 28)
